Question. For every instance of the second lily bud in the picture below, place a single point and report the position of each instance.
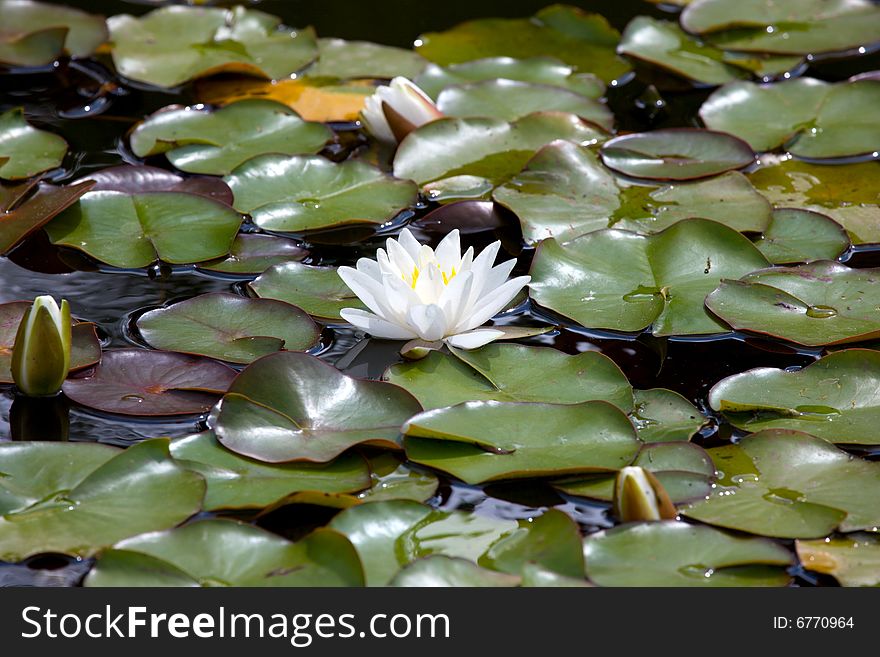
(639, 496)
(41, 353)
(394, 111)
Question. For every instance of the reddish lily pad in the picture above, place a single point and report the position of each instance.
(18, 218)
(144, 382)
(133, 179)
(254, 253)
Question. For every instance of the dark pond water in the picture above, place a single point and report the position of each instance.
(83, 101)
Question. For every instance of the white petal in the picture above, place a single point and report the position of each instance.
(481, 267)
(369, 267)
(399, 257)
(455, 297)
(473, 339)
(367, 289)
(376, 326)
(498, 274)
(374, 120)
(429, 286)
(409, 243)
(448, 252)
(408, 100)
(428, 321)
(493, 303)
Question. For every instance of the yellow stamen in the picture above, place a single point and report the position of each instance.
(446, 278)
(415, 277)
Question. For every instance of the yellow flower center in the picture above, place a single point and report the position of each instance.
(415, 276)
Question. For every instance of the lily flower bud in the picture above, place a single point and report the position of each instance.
(394, 111)
(41, 353)
(638, 496)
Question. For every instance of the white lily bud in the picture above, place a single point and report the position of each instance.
(394, 111)
(639, 496)
(41, 353)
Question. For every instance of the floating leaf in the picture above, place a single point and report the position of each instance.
(836, 398)
(24, 150)
(253, 253)
(135, 230)
(664, 284)
(485, 441)
(852, 560)
(585, 41)
(143, 382)
(314, 99)
(536, 70)
(341, 59)
(785, 26)
(665, 416)
(564, 192)
(228, 327)
(389, 535)
(218, 552)
(36, 33)
(801, 236)
(393, 479)
(237, 482)
(22, 218)
(76, 498)
(790, 484)
(85, 348)
(676, 154)
(293, 407)
(665, 44)
(317, 290)
(848, 193)
(510, 100)
(171, 45)
(672, 553)
(684, 469)
(216, 142)
(440, 571)
(809, 117)
(294, 194)
(486, 148)
(496, 373)
(820, 303)
(136, 179)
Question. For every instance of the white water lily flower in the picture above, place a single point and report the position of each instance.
(415, 292)
(408, 106)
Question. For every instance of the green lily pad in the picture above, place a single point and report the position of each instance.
(790, 484)
(664, 284)
(809, 117)
(171, 45)
(24, 150)
(345, 60)
(665, 416)
(85, 348)
(216, 142)
(536, 70)
(483, 147)
(585, 41)
(665, 44)
(253, 253)
(228, 327)
(300, 193)
(834, 398)
(217, 552)
(79, 498)
(684, 469)
(144, 382)
(485, 441)
(672, 553)
(796, 235)
(852, 560)
(536, 576)
(442, 571)
(510, 100)
(676, 154)
(317, 290)
(820, 303)
(237, 482)
(785, 26)
(21, 216)
(394, 479)
(36, 33)
(564, 192)
(496, 372)
(135, 230)
(848, 193)
(293, 407)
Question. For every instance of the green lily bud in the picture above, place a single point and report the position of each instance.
(41, 353)
(638, 495)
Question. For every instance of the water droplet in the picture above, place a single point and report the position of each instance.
(697, 571)
(821, 312)
(783, 496)
(133, 398)
(641, 294)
